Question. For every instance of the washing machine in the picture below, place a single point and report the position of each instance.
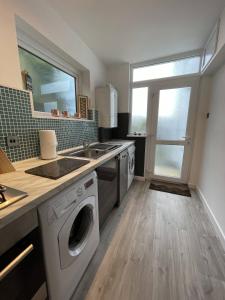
(70, 234)
(131, 164)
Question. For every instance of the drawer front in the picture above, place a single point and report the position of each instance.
(22, 269)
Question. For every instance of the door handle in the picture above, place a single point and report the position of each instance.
(11, 266)
(187, 138)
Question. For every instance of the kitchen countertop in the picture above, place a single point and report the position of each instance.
(40, 189)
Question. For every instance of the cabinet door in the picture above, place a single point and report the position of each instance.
(27, 273)
(106, 104)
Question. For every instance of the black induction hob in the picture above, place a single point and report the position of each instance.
(58, 168)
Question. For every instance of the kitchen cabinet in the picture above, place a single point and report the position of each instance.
(107, 105)
(22, 275)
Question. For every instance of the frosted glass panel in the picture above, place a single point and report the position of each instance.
(173, 113)
(180, 67)
(139, 110)
(168, 160)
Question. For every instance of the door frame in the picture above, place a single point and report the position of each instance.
(152, 117)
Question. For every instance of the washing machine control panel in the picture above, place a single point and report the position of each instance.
(69, 199)
(80, 191)
(88, 183)
(64, 205)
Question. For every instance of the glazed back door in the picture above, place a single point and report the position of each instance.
(172, 129)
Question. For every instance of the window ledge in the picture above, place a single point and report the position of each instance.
(40, 115)
(137, 135)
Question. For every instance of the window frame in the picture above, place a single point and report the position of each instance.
(148, 83)
(166, 60)
(131, 104)
(57, 62)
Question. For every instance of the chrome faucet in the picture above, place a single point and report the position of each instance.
(86, 145)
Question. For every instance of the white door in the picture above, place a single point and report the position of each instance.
(171, 128)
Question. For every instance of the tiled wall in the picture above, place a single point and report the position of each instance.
(16, 119)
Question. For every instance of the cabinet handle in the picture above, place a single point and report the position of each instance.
(11, 266)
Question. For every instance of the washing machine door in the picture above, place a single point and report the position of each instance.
(76, 231)
(131, 164)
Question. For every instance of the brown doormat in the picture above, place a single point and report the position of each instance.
(168, 187)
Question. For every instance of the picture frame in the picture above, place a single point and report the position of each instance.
(83, 105)
(27, 81)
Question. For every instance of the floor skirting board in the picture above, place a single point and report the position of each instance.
(212, 217)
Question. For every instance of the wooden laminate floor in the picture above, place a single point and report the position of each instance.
(157, 246)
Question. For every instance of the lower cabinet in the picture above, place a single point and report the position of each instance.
(22, 272)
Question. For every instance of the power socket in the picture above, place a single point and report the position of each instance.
(13, 141)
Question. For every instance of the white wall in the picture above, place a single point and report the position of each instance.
(212, 173)
(119, 77)
(200, 123)
(45, 20)
(9, 61)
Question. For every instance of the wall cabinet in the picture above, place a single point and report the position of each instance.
(106, 100)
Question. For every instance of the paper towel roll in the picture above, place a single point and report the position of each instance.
(48, 144)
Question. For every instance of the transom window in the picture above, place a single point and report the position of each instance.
(186, 66)
(52, 88)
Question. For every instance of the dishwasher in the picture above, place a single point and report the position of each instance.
(112, 184)
(107, 188)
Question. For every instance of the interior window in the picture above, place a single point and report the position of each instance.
(52, 88)
(180, 67)
(139, 110)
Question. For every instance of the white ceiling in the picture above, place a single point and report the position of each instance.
(137, 30)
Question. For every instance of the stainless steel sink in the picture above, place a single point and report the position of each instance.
(104, 146)
(93, 152)
(87, 153)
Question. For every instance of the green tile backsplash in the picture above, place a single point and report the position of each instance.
(16, 119)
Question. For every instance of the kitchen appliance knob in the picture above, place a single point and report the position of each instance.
(79, 191)
(2, 188)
